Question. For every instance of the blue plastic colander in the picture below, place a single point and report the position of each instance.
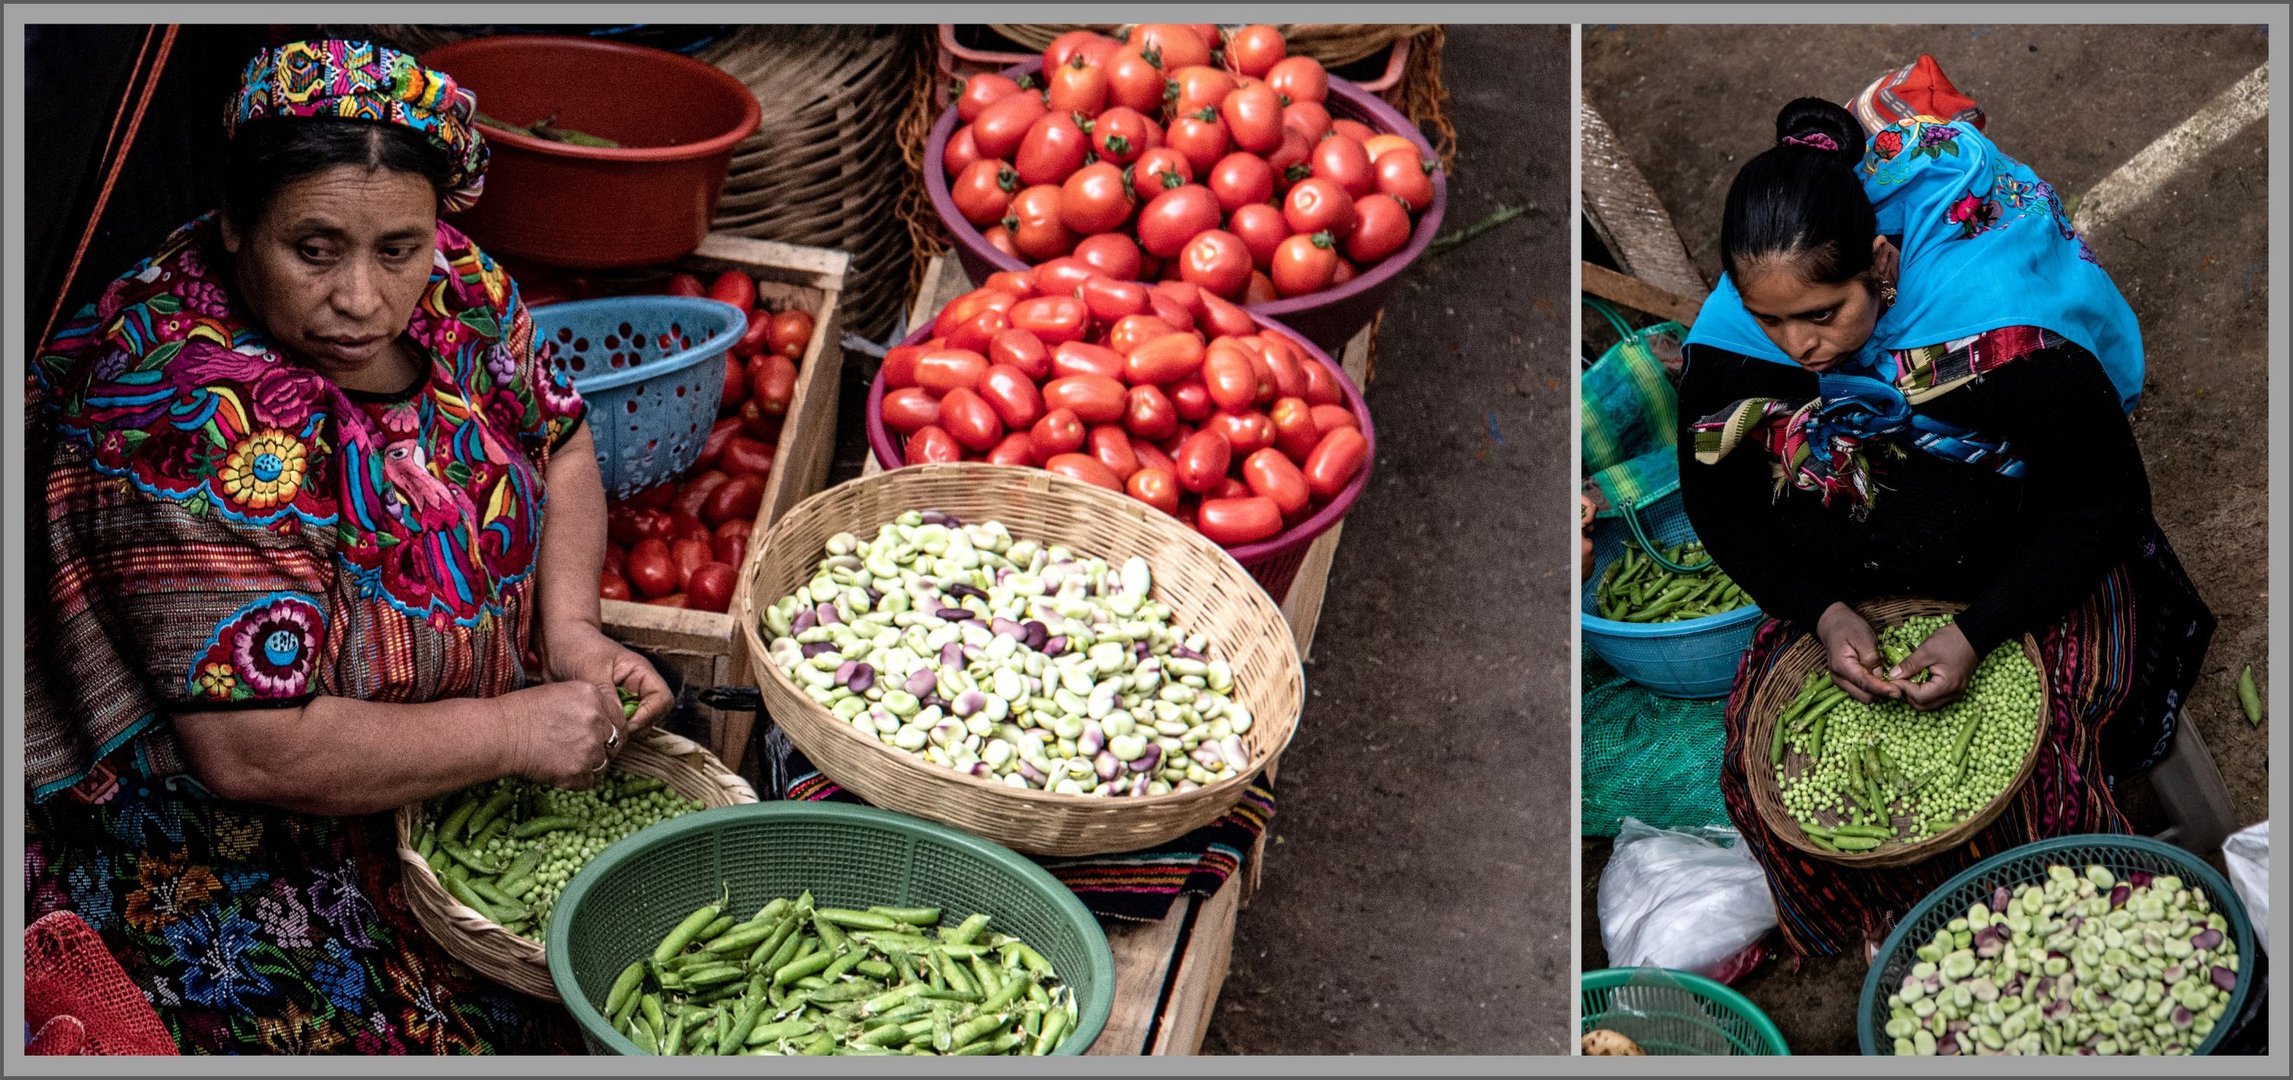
(651, 369)
(1694, 658)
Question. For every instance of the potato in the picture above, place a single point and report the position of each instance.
(1606, 1043)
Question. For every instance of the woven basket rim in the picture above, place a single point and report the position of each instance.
(963, 784)
(1767, 797)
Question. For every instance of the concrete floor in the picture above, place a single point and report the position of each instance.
(1690, 103)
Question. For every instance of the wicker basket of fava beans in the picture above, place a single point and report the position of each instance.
(1883, 785)
(483, 867)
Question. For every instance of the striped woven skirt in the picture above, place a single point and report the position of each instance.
(2118, 668)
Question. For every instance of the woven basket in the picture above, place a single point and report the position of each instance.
(1777, 692)
(1207, 591)
(521, 963)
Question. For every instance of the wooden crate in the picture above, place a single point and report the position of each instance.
(704, 648)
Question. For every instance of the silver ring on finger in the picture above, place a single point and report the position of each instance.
(613, 741)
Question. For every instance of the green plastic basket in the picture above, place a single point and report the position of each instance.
(624, 902)
(1685, 1014)
(2121, 855)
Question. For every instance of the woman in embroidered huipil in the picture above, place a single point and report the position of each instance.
(1915, 380)
(319, 537)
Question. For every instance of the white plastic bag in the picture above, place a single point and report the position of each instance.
(2247, 854)
(1679, 900)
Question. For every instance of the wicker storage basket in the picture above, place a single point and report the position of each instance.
(521, 963)
(1207, 591)
(1782, 686)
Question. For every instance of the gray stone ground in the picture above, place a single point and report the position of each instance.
(1690, 103)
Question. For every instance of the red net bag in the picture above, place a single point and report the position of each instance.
(77, 999)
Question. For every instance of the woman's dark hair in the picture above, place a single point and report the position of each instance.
(1800, 203)
(267, 155)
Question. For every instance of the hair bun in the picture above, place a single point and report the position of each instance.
(1823, 126)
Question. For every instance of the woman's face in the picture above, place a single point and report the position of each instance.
(337, 262)
(1815, 324)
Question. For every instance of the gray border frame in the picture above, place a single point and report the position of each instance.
(12, 511)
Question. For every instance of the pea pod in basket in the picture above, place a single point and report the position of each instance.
(1639, 588)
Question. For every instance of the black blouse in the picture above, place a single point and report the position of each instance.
(2019, 552)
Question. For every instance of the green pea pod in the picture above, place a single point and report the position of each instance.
(630, 700)
(740, 939)
(912, 916)
(499, 804)
(1054, 1028)
(1011, 991)
(650, 1006)
(459, 817)
(860, 920)
(461, 891)
(796, 969)
(1856, 843)
(641, 785)
(526, 863)
(685, 932)
(2249, 696)
(875, 969)
(845, 962)
(830, 934)
(541, 826)
(468, 858)
(625, 986)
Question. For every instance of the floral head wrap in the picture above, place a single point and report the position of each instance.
(357, 80)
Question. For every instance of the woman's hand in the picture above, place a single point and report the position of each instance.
(579, 652)
(1949, 661)
(564, 733)
(1851, 650)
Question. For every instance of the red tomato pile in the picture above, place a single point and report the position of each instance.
(1165, 392)
(681, 544)
(1146, 160)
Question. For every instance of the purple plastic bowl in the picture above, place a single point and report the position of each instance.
(1328, 318)
(1273, 562)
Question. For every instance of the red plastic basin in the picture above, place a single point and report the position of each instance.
(646, 202)
(1328, 318)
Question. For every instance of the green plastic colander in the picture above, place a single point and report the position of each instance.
(2121, 855)
(623, 903)
(1677, 1014)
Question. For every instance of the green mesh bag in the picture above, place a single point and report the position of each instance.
(1649, 757)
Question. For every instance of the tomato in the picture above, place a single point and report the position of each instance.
(1000, 238)
(1200, 136)
(1155, 487)
(1175, 218)
(910, 410)
(976, 93)
(713, 447)
(1403, 175)
(650, 571)
(736, 386)
(1227, 372)
(1318, 205)
(1274, 476)
(791, 333)
(1121, 135)
(673, 600)
(1292, 162)
(1303, 264)
(1133, 82)
(1015, 449)
(1112, 446)
(621, 526)
(932, 444)
(1217, 262)
(1307, 118)
(1294, 432)
(1198, 87)
(1084, 358)
(1192, 400)
(1020, 348)
(1342, 159)
(944, 369)
(684, 285)
(1112, 300)
(1152, 456)
(1095, 399)
(1067, 46)
(758, 424)
(975, 335)
(1232, 522)
(982, 193)
(1132, 331)
(1148, 413)
(710, 587)
(1020, 284)
(657, 497)
(1254, 50)
(1052, 150)
(1014, 397)
(1086, 468)
(1164, 359)
(1381, 227)
(1246, 432)
(1076, 87)
(1158, 170)
(1376, 146)
(1253, 117)
(1179, 45)
(962, 152)
(900, 366)
(1063, 276)
(1055, 320)
(1112, 254)
(1299, 78)
(737, 499)
(1059, 432)
(1224, 318)
(1095, 199)
(1334, 462)
(731, 543)
(1262, 229)
(967, 307)
(970, 419)
(752, 335)
(688, 556)
(1241, 179)
(1287, 366)
(1328, 418)
(693, 493)
(612, 586)
(1171, 306)
(772, 384)
(1202, 460)
(1322, 386)
(1002, 126)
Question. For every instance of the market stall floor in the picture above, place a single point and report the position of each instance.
(1690, 103)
